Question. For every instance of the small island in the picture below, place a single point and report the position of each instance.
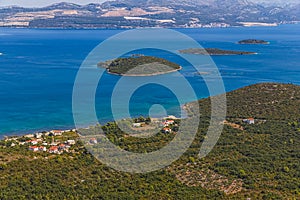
(139, 65)
(253, 41)
(214, 52)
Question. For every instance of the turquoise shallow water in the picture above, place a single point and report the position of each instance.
(38, 69)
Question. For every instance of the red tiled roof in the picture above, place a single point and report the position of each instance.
(53, 148)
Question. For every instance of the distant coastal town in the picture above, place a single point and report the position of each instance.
(182, 14)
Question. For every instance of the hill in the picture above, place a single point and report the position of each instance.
(253, 41)
(139, 66)
(151, 13)
(256, 161)
(214, 52)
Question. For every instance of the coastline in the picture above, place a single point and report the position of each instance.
(142, 75)
(184, 110)
(248, 25)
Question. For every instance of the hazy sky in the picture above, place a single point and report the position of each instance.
(39, 3)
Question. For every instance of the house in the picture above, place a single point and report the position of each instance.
(42, 148)
(53, 149)
(62, 147)
(33, 142)
(136, 125)
(38, 135)
(167, 130)
(33, 148)
(249, 121)
(93, 141)
(36, 148)
(57, 132)
(71, 142)
(168, 122)
(47, 133)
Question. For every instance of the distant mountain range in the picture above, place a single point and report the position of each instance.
(151, 13)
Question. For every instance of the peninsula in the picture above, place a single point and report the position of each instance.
(139, 66)
(253, 41)
(214, 52)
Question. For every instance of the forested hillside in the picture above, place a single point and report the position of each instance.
(259, 160)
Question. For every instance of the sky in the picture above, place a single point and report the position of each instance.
(40, 3)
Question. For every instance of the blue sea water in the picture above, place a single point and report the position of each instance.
(38, 68)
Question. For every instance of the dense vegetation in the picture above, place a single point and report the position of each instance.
(140, 65)
(213, 51)
(259, 161)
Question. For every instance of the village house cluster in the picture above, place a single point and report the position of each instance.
(166, 123)
(38, 143)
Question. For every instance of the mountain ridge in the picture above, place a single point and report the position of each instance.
(150, 13)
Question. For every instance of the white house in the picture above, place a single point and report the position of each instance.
(168, 122)
(57, 132)
(71, 142)
(136, 125)
(62, 147)
(93, 141)
(53, 149)
(33, 142)
(249, 120)
(167, 130)
(38, 135)
(33, 148)
(42, 148)
(47, 133)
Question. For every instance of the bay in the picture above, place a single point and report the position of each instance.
(38, 68)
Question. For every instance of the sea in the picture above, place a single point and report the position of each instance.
(38, 68)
